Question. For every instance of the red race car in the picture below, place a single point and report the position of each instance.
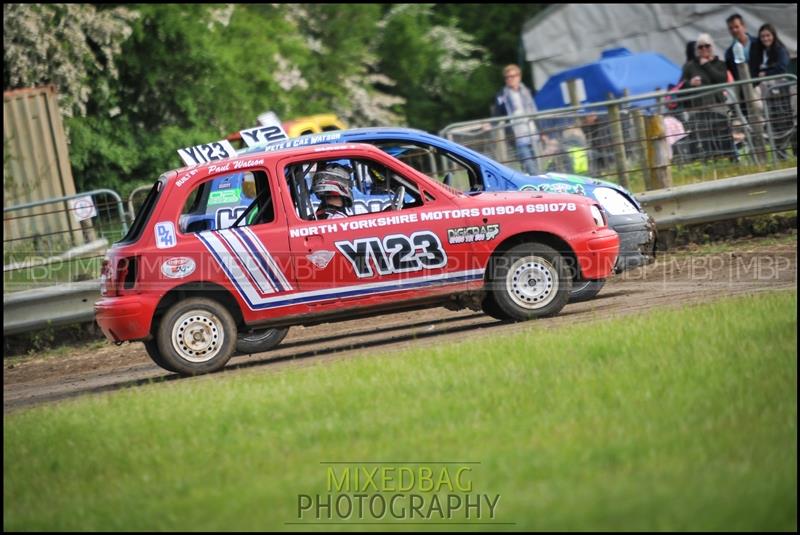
(198, 276)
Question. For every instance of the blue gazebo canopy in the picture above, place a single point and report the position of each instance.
(616, 70)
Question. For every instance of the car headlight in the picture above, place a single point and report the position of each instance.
(613, 202)
(597, 215)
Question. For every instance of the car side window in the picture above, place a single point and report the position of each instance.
(217, 203)
(374, 187)
(436, 163)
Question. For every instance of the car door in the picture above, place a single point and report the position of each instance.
(253, 253)
(376, 258)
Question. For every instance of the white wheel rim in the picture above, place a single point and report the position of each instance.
(532, 282)
(198, 336)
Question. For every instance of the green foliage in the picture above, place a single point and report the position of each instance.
(442, 75)
(147, 79)
(73, 46)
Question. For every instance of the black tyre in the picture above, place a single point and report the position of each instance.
(585, 290)
(530, 280)
(151, 346)
(196, 336)
(260, 341)
(490, 308)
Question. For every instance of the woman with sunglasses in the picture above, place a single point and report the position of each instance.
(707, 120)
(705, 69)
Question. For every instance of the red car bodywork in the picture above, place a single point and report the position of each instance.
(292, 271)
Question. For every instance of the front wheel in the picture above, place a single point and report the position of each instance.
(151, 346)
(585, 290)
(530, 280)
(196, 336)
(260, 341)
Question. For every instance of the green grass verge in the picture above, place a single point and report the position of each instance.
(670, 420)
(705, 171)
(735, 245)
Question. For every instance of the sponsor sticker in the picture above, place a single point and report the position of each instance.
(472, 234)
(165, 234)
(558, 187)
(225, 196)
(178, 268)
(321, 259)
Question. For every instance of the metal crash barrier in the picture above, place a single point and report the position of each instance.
(718, 200)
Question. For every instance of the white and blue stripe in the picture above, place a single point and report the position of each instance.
(257, 277)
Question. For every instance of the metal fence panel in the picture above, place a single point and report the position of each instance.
(36, 161)
(653, 140)
(45, 258)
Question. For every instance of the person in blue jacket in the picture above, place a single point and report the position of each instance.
(769, 55)
(515, 99)
(742, 39)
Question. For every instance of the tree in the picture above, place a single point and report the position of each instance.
(437, 67)
(497, 27)
(341, 40)
(137, 83)
(73, 46)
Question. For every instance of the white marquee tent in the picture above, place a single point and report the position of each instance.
(569, 35)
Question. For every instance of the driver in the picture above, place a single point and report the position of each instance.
(332, 185)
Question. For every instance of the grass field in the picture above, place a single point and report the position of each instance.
(671, 420)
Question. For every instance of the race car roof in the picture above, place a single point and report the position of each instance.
(244, 159)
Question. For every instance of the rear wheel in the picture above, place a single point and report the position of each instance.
(196, 336)
(490, 308)
(585, 290)
(260, 341)
(530, 280)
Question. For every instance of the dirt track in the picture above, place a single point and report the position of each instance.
(674, 280)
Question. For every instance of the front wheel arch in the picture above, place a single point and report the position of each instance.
(545, 238)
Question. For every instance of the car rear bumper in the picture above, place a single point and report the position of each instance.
(637, 240)
(125, 318)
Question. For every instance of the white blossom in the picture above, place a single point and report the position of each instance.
(288, 76)
(64, 45)
(221, 16)
(457, 53)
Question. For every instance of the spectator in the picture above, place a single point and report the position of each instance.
(515, 99)
(741, 38)
(708, 120)
(768, 56)
(706, 69)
